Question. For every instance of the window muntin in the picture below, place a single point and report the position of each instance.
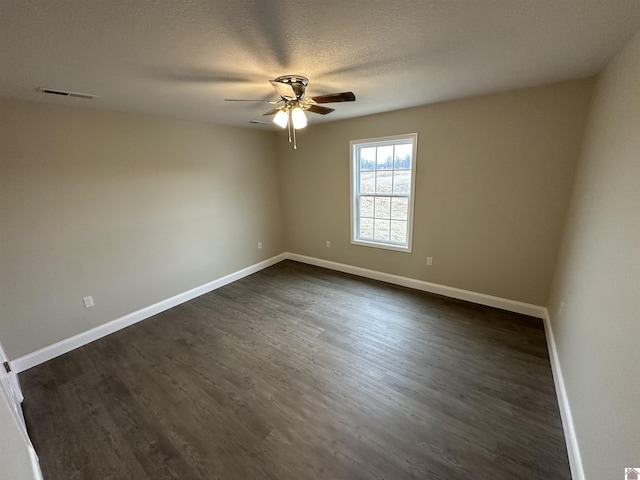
(382, 186)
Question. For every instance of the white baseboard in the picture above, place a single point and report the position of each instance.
(47, 353)
(573, 451)
(40, 356)
(474, 297)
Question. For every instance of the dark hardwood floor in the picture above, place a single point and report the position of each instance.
(298, 372)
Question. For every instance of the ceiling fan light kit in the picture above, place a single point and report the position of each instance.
(281, 119)
(292, 89)
(298, 118)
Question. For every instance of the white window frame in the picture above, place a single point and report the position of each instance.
(354, 148)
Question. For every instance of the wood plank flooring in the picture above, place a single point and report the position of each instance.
(298, 372)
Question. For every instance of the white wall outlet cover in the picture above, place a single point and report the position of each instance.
(429, 260)
(88, 302)
(259, 245)
(328, 244)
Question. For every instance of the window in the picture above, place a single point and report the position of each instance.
(383, 174)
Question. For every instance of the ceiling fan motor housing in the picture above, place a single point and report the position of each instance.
(297, 82)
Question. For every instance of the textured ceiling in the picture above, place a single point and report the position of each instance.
(183, 58)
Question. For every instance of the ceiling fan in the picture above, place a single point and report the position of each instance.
(293, 103)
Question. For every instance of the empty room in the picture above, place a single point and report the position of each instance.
(320, 240)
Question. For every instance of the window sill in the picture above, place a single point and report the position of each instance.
(384, 246)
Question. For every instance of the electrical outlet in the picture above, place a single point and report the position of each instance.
(429, 261)
(561, 308)
(328, 244)
(88, 302)
(259, 245)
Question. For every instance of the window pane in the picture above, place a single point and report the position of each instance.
(383, 207)
(368, 158)
(402, 157)
(366, 228)
(381, 230)
(402, 182)
(368, 182)
(398, 231)
(383, 172)
(400, 208)
(366, 206)
(384, 157)
(383, 181)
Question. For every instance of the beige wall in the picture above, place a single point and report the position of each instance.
(131, 209)
(494, 175)
(598, 278)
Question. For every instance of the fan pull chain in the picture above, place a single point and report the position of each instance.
(295, 147)
(291, 129)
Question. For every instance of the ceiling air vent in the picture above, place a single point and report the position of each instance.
(63, 93)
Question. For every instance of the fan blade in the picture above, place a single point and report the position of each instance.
(319, 109)
(284, 90)
(246, 100)
(271, 112)
(335, 97)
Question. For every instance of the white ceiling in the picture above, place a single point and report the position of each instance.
(182, 58)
